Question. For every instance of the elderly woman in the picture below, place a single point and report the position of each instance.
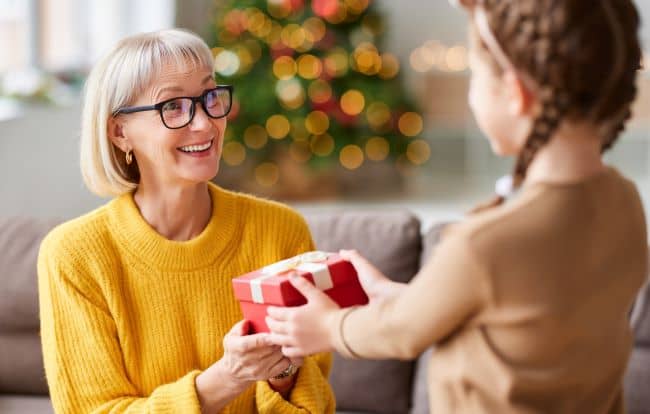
(137, 309)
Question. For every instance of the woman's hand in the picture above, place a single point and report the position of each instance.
(376, 285)
(246, 359)
(304, 330)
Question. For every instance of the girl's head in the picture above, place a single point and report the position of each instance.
(538, 63)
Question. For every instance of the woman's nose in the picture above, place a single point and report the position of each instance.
(201, 120)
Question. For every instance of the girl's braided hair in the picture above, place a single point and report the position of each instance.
(583, 56)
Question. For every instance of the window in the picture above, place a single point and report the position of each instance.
(70, 35)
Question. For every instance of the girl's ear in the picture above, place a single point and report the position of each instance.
(521, 100)
(115, 132)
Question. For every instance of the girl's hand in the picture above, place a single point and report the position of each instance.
(375, 283)
(304, 330)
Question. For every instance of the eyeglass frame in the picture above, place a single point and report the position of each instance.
(200, 99)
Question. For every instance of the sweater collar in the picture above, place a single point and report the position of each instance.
(141, 240)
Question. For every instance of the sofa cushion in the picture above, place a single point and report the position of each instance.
(637, 381)
(19, 404)
(420, 396)
(390, 240)
(21, 366)
(430, 239)
(641, 317)
(20, 239)
(421, 384)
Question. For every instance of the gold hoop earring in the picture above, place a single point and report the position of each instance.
(129, 157)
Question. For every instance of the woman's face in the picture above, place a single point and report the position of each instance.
(187, 155)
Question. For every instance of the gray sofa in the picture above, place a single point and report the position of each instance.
(392, 240)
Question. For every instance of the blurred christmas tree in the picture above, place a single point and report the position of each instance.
(312, 86)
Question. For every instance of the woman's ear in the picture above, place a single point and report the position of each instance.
(115, 132)
(521, 99)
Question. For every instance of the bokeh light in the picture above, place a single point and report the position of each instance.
(322, 145)
(319, 91)
(377, 148)
(279, 9)
(233, 153)
(418, 152)
(351, 157)
(378, 115)
(298, 130)
(316, 27)
(309, 66)
(267, 174)
(410, 124)
(277, 126)
(317, 123)
(366, 59)
(255, 137)
(336, 63)
(284, 67)
(456, 58)
(389, 66)
(226, 63)
(293, 36)
(291, 93)
(352, 102)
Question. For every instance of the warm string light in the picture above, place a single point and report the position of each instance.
(305, 62)
(351, 157)
(267, 174)
(433, 55)
(377, 148)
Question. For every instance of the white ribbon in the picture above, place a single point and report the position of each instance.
(311, 262)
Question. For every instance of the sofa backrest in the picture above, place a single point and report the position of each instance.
(641, 318)
(390, 240)
(21, 366)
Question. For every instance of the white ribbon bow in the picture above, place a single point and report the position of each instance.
(310, 262)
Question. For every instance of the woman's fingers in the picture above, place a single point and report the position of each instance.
(252, 342)
(280, 365)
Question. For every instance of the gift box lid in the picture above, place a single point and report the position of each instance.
(270, 285)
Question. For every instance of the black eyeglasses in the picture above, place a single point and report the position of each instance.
(178, 112)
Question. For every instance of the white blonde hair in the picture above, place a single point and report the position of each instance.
(117, 80)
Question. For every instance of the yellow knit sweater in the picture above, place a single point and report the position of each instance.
(129, 318)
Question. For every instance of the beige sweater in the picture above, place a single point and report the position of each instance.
(527, 304)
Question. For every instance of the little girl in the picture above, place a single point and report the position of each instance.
(526, 301)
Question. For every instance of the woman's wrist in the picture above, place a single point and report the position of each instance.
(215, 388)
(283, 385)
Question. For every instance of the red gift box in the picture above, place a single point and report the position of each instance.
(270, 285)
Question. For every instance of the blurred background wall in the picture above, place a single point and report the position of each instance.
(47, 47)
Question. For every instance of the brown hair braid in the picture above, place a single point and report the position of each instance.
(564, 47)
